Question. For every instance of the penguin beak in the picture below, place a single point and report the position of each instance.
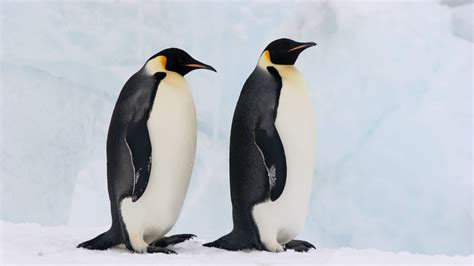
(302, 46)
(199, 65)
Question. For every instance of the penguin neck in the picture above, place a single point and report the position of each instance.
(284, 70)
(158, 64)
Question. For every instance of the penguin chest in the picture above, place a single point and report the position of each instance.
(296, 127)
(284, 218)
(172, 131)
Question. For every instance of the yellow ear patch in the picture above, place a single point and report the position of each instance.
(163, 61)
(156, 64)
(265, 59)
(266, 54)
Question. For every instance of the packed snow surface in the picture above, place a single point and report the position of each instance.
(31, 243)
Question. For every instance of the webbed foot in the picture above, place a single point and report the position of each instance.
(172, 240)
(152, 249)
(299, 245)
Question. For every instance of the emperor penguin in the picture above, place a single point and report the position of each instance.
(272, 146)
(151, 145)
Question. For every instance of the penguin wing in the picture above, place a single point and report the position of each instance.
(139, 145)
(138, 138)
(269, 143)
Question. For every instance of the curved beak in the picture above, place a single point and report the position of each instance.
(302, 46)
(199, 65)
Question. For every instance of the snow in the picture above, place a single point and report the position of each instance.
(462, 21)
(391, 83)
(32, 243)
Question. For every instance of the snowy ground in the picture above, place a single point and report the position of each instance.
(32, 243)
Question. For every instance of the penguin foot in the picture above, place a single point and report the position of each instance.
(299, 245)
(233, 242)
(92, 244)
(223, 245)
(152, 249)
(101, 242)
(172, 240)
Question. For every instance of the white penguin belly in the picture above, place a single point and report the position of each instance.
(172, 130)
(280, 221)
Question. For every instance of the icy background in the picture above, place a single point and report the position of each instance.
(391, 85)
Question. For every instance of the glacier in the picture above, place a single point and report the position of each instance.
(391, 84)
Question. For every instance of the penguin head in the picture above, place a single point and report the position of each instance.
(176, 60)
(285, 51)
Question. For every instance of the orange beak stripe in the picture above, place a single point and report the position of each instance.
(298, 47)
(195, 65)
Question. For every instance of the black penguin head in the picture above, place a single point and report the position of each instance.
(285, 51)
(177, 60)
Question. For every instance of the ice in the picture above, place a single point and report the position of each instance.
(391, 84)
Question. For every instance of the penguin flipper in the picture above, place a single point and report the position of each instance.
(138, 138)
(139, 144)
(268, 141)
